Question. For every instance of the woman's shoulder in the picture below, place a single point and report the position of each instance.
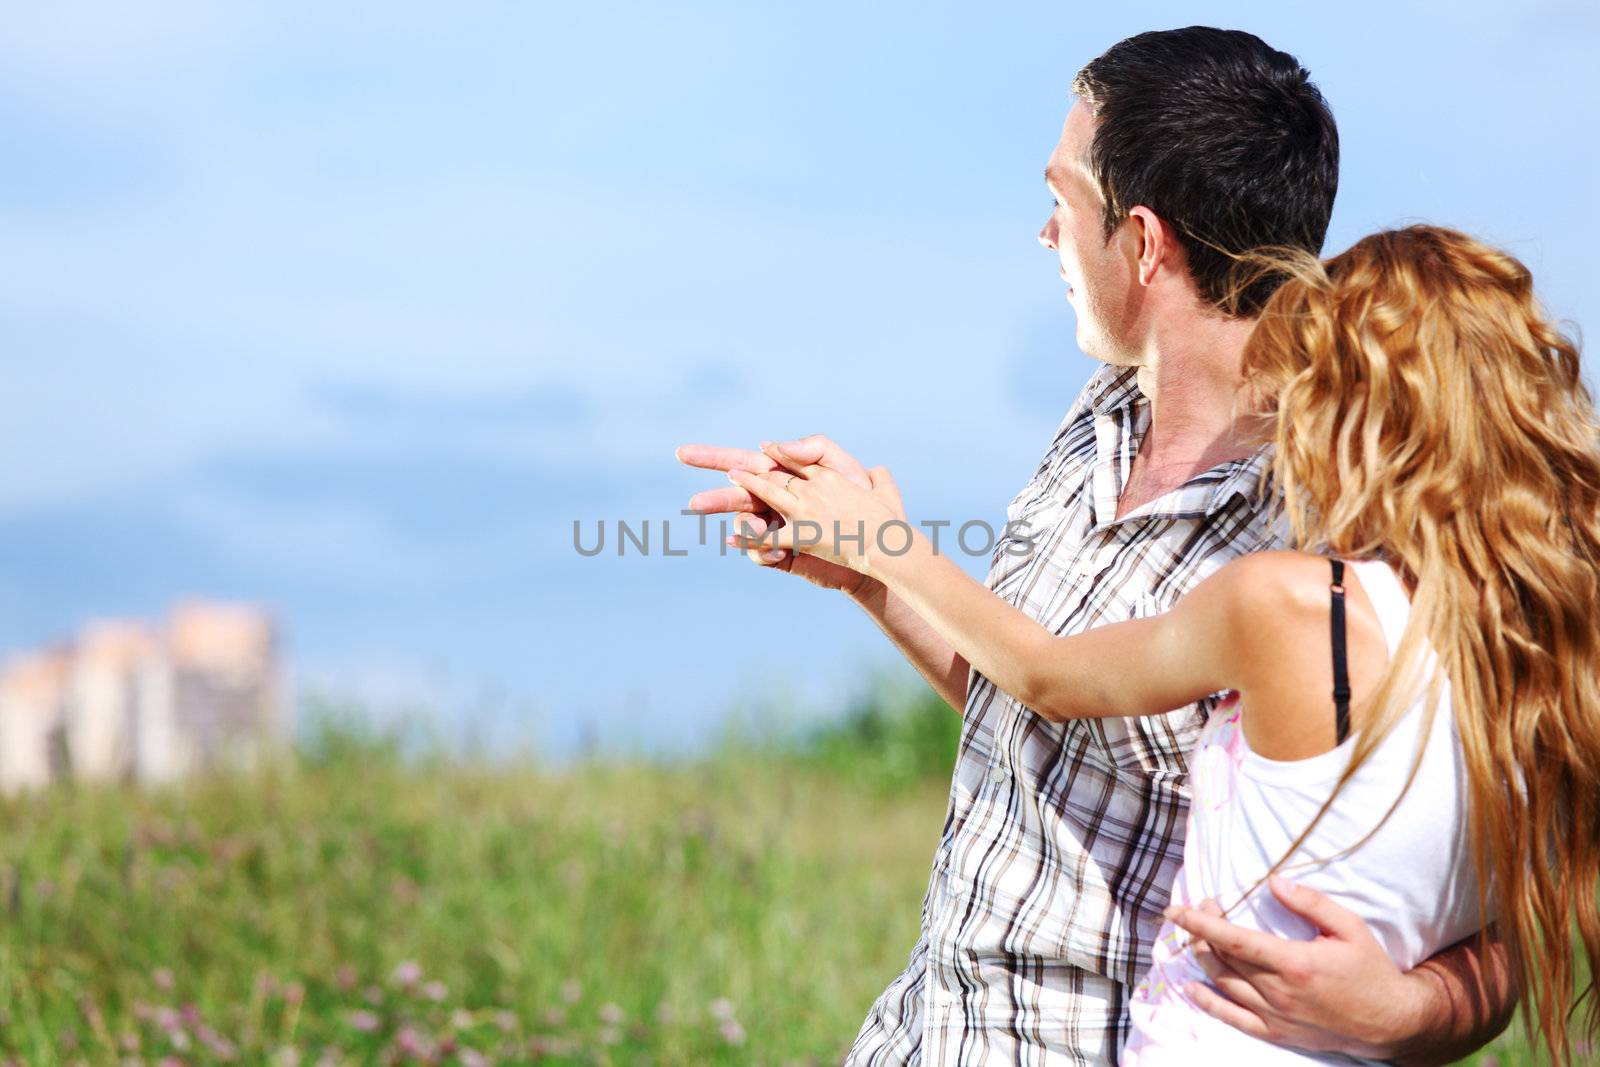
(1263, 600)
(1280, 587)
(1282, 603)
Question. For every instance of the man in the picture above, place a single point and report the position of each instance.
(1062, 840)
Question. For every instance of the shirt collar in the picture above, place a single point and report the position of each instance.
(1112, 388)
(1248, 477)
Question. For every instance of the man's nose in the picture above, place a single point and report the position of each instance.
(1047, 235)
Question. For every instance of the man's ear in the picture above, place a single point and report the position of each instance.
(1156, 246)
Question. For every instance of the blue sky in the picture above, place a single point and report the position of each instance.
(353, 309)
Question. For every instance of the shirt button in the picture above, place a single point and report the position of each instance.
(997, 774)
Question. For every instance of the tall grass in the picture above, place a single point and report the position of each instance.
(892, 738)
(357, 905)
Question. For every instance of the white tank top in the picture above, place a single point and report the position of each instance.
(1412, 882)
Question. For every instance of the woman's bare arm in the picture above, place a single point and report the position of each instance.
(1141, 667)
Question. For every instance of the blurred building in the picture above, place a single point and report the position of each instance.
(33, 691)
(128, 701)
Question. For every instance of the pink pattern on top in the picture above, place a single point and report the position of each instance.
(1159, 1004)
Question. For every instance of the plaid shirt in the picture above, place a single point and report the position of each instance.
(1062, 840)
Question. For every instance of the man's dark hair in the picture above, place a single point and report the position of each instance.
(1223, 137)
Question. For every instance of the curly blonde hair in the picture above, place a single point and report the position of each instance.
(1424, 410)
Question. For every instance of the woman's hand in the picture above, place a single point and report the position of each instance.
(752, 513)
(1340, 991)
(826, 515)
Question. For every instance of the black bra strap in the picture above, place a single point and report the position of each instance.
(1341, 672)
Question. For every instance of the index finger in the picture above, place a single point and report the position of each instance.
(721, 458)
(797, 464)
(767, 489)
(1235, 942)
(728, 499)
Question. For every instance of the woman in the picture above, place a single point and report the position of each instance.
(1437, 761)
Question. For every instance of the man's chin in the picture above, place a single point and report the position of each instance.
(1096, 349)
(1088, 345)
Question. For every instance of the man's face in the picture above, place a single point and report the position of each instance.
(1101, 276)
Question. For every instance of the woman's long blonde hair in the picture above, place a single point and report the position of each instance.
(1424, 410)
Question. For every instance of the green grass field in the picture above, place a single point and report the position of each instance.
(352, 907)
